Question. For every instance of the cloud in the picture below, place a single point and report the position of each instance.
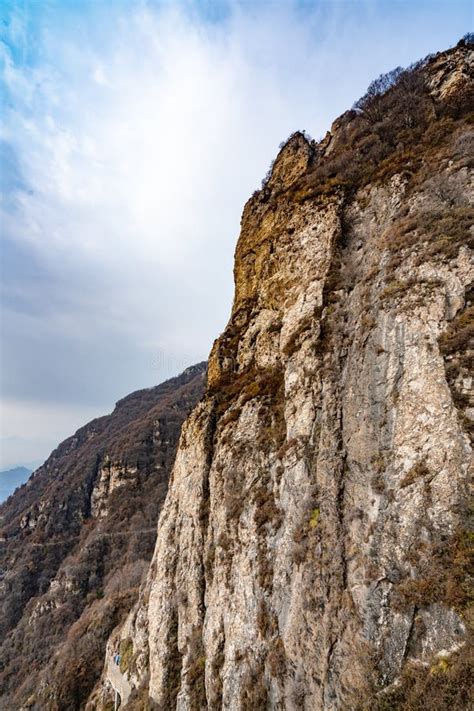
(133, 134)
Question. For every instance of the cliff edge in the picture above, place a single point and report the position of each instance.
(312, 552)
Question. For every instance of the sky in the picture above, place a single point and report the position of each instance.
(132, 134)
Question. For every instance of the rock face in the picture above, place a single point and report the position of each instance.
(76, 540)
(311, 553)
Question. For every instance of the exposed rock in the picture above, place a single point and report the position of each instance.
(327, 467)
(109, 478)
(313, 551)
(76, 541)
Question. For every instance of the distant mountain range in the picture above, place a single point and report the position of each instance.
(10, 479)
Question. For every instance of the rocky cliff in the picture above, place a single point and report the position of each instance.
(313, 549)
(76, 540)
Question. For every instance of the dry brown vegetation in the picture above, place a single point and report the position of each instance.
(98, 563)
(457, 346)
(444, 575)
(396, 128)
(447, 685)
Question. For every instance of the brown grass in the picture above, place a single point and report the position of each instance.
(444, 574)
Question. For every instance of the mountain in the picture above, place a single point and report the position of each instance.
(314, 538)
(313, 551)
(76, 540)
(10, 479)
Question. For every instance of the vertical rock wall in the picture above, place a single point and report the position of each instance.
(307, 550)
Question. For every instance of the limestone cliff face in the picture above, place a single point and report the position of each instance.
(310, 550)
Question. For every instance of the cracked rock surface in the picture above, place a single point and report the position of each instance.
(308, 550)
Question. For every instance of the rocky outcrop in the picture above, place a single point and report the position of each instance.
(109, 478)
(76, 540)
(311, 553)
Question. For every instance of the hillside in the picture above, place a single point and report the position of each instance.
(314, 545)
(314, 551)
(76, 540)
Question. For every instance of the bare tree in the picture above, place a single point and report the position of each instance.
(370, 105)
(410, 94)
(402, 89)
